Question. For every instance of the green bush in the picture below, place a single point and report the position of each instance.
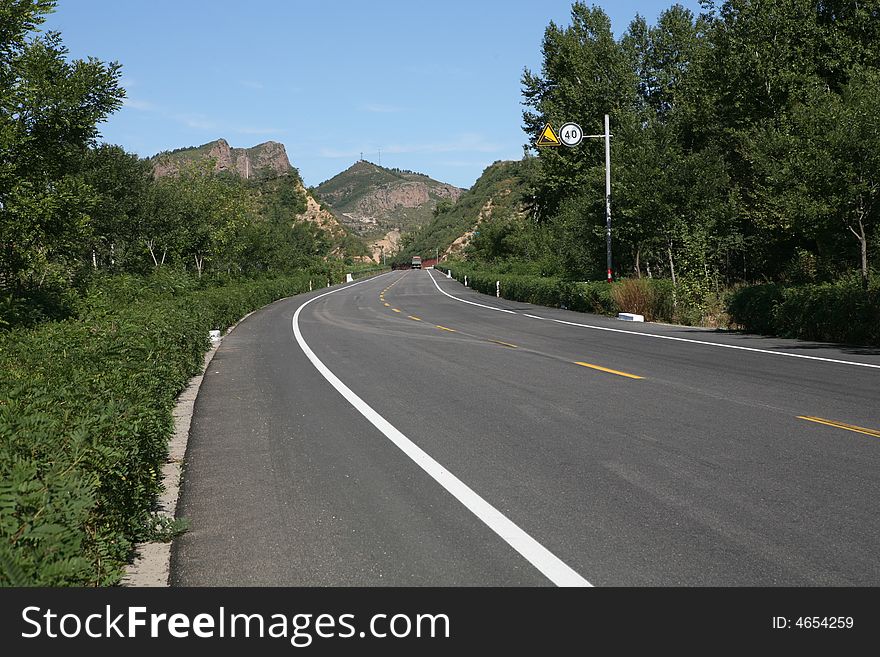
(581, 296)
(754, 307)
(85, 418)
(832, 312)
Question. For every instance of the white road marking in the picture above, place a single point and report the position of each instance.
(710, 344)
(473, 303)
(540, 557)
(670, 337)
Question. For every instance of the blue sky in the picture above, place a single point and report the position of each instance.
(435, 86)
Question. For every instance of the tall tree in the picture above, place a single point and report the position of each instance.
(121, 183)
(585, 75)
(49, 112)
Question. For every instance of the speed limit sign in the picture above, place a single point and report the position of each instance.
(571, 134)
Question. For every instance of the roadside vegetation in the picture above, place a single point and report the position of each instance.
(110, 280)
(498, 194)
(745, 152)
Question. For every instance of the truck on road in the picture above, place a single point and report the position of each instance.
(416, 262)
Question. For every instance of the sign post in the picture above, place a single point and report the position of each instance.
(608, 196)
(570, 134)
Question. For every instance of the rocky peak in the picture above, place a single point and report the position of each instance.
(373, 201)
(269, 156)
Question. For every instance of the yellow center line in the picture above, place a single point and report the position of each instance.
(414, 318)
(387, 305)
(841, 425)
(395, 310)
(610, 371)
(443, 328)
(504, 344)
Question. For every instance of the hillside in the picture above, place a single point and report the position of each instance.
(500, 192)
(373, 201)
(275, 182)
(262, 161)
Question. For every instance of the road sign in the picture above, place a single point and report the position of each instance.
(571, 134)
(548, 137)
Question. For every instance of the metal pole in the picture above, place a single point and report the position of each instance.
(608, 196)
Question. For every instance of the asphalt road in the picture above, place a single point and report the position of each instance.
(428, 441)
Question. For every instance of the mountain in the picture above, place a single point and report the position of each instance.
(380, 203)
(261, 161)
(502, 191)
(265, 165)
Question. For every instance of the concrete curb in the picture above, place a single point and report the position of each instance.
(152, 565)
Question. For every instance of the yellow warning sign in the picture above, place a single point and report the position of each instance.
(548, 137)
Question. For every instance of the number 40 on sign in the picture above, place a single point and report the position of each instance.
(571, 134)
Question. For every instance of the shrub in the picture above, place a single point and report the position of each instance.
(592, 296)
(635, 295)
(85, 419)
(831, 312)
(754, 307)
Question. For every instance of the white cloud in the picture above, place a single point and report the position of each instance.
(379, 108)
(461, 163)
(464, 143)
(248, 130)
(335, 154)
(142, 105)
(196, 121)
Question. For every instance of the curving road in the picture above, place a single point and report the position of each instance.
(405, 430)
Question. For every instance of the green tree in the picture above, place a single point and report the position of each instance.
(209, 213)
(49, 112)
(585, 74)
(121, 182)
(820, 178)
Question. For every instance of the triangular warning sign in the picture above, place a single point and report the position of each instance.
(548, 137)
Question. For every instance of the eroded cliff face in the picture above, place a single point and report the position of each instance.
(385, 247)
(318, 215)
(374, 201)
(403, 195)
(461, 242)
(260, 160)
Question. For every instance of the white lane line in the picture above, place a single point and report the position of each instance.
(676, 339)
(473, 303)
(710, 344)
(540, 557)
